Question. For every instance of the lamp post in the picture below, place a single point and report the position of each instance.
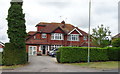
(89, 31)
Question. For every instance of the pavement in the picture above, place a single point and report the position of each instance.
(49, 64)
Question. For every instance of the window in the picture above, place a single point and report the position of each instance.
(43, 35)
(55, 46)
(56, 36)
(85, 37)
(73, 37)
(34, 37)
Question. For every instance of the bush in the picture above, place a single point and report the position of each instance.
(79, 54)
(113, 53)
(0, 58)
(116, 42)
(58, 56)
(13, 56)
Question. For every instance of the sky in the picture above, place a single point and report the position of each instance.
(75, 12)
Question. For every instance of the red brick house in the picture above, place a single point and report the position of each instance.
(54, 35)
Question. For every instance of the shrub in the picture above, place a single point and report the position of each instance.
(116, 42)
(0, 58)
(13, 56)
(113, 53)
(79, 54)
(58, 56)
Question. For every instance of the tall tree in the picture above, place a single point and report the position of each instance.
(16, 24)
(100, 36)
(17, 34)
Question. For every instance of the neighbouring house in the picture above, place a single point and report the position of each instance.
(54, 35)
(116, 36)
(1, 46)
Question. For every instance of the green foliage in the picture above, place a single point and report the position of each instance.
(116, 42)
(11, 56)
(99, 36)
(58, 56)
(79, 54)
(0, 58)
(15, 51)
(16, 25)
(113, 53)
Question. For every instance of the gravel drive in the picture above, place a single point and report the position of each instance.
(49, 64)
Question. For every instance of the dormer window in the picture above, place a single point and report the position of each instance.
(73, 37)
(56, 36)
(44, 35)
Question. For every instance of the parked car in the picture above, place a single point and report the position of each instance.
(52, 52)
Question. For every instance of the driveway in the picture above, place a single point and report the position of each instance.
(49, 64)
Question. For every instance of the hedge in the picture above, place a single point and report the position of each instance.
(113, 53)
(13, 56)
(80, 54)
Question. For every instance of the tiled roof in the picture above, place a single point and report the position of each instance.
(50, 27)
(33, 41)
(117, 36)
(31, 32)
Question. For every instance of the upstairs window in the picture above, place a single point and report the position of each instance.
(56, 36)
(44, 35)
(85, 38)
(34, 37)
(73, 37)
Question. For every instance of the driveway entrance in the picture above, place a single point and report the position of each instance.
(48, 64)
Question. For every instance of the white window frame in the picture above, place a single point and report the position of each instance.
(44, 35)
(73, 37)
(57, 36)
(34, 37)
(55, 46)
(32, 49)
(84, 37)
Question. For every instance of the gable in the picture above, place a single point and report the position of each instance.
(58, 30)
(75, 31)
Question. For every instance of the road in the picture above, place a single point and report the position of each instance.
(49, 64)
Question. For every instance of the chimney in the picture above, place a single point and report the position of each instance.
(63, 24)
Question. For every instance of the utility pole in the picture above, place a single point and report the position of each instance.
(89, 31)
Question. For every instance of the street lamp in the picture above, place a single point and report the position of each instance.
(89, 31)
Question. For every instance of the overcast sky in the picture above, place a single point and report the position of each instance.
(74, 12)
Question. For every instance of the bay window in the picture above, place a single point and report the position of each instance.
(56, 36)
(73, 37)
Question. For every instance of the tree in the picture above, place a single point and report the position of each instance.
(100, 36)
(16, 33)
(116, 42)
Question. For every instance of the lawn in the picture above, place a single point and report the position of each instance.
(99, 65)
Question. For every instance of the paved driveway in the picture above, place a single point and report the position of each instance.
(49, 64)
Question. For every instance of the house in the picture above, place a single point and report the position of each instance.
(1, 46)
(54, 35)
(116, 36)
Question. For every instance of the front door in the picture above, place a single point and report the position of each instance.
(44, 49)
(32, 50)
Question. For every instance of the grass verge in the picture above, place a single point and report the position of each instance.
(12, 67)
(99, 65)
